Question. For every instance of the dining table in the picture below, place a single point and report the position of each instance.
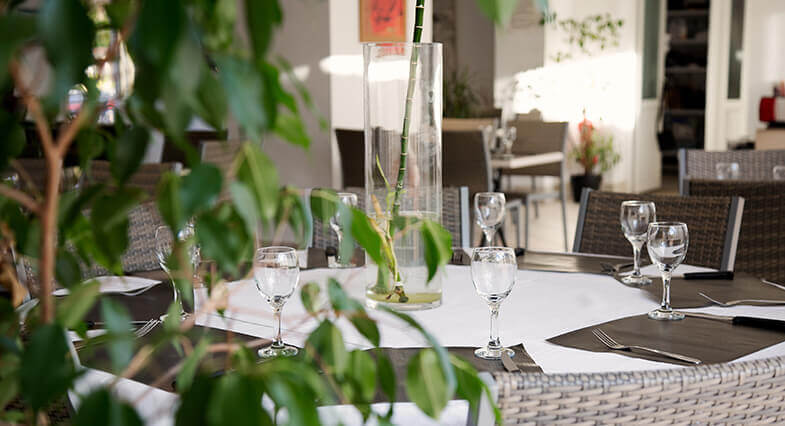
(544, 303)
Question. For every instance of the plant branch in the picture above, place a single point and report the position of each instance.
(33, 105)
(20, 197)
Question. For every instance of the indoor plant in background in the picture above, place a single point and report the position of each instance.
(176, 48)
(595, 154)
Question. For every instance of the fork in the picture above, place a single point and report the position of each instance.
(146, 328)
(743, 301)
(613, 344)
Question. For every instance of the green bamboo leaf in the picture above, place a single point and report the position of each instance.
(426, 384)
(102, 408)
(438, 246)
(187, 373)
(366, 236)
(47, 371)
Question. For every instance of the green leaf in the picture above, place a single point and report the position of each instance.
(362, 371)
(291, 391)
(341, 302)
(290, 127)
(102, 408)
(12, 134)
(499, 11)
(324, 204)
(15, 30)
(127, 152)
(200, 188)
(168, 200)
(159, 27)
(386, 374)
(121, 344)
(327, 342)
(309, 294)
(258, 173)
(72, 309)
(291, 210)
(211, 102)
(438, 246)
(471, 387)
(246, 205)
(90, 145)
(67, 34)
(46, 371)
(245, 91)
(236, 400)
(367, 237)
(186, 375)
(9, 388)
(426, 384)
(67, 270)
(194, 402)
(262, 16)
(223, 238)
(366, 326)
(118, 11)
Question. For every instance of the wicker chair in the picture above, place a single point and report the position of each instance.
(146, 177)
(713, 223)
(172, 153)
(455, 218)
(744, 392)
(762, 236)
(351, 146)
(467, 162)
(222, 155)
(34, 175)
(538, 137)
(753, 165)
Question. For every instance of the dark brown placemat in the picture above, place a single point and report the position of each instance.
(684, 293)
(165, 357)
(708, 340)
(148, 305)
(559, 262)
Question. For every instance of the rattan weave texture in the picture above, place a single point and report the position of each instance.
(753, 165)
(706, 218)
(761, 249)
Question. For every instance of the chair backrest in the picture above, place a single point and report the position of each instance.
(172, 153)
(722, 391)
(762, 236)
(753, 165)
(351, 147)
(145, 178)
(455, 218)
(466, 160)
(539, 137)
(469, 123)
(35, 172)
(713, 224)
(222, 155)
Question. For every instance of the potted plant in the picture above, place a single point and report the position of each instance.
(594, 153)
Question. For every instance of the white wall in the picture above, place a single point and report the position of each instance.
(345, 68)
(474, 41)
(519, 47)
(764, 55)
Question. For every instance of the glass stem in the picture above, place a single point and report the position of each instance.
(493, 342)
(489, 233)
(636, 255)
(278, 343)
(666, 292)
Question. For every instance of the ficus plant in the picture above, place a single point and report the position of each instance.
(189, 63)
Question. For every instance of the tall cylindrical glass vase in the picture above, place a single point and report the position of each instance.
(403, 166)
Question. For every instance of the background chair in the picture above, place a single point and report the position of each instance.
(145, 178)
(467, 162)
(762, 236)
(539, 137)
(33, 175)
(222, 154)
(455, 218)
(171, 153)
(713, 224)
(351, 147)
(736, 393)
(753, 165)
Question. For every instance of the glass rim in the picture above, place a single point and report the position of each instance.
(635, 202)
(275, 250)
(666, 224)
(401, 43)
(493, 248)
(489, 193)
(341, 194)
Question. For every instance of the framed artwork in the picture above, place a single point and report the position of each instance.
(382, 20)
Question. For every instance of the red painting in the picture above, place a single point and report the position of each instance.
(382, 20)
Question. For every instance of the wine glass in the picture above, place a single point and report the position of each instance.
(348, 199)
(489, 207)
(276, 272)
(163, 250)
(635, 218)
(727, 171)
(779, 172)
(667, 243)
(493, 275)
(510, 133)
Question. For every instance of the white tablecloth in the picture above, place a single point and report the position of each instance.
(541, 305)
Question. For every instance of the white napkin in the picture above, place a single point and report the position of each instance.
(115, 284)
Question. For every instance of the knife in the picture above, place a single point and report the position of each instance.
(719, 275)
(509, 365)
(764, 323)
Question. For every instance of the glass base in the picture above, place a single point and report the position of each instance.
(416, 302)
(183, 316)
(486, 352)
(277, 351)
(663, 315)
(634, 281)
